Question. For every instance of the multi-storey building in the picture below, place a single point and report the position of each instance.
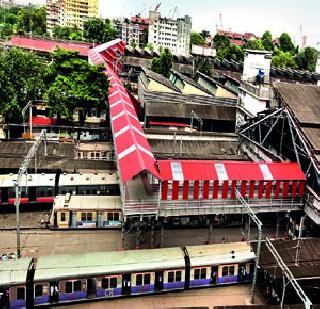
(173, 34)
(70, 13)
(133, 31)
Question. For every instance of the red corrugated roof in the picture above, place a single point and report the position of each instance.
(48, 46)
(230, 170)
(131, 145)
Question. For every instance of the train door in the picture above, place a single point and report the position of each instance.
(159, 280)
(54, 292)
(32, 194)
(214, 275)
(4, 298)
(126, 284)
(242, 273)
(4, 195)
(92, 287)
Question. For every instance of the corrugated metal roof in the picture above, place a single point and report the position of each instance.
(220, 170)
(131, 146)
(303, 100)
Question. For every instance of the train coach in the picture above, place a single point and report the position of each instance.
(61, 279)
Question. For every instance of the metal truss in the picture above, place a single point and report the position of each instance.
(287, 275)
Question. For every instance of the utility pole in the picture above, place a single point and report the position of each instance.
(288, 274)
(259, 224)
(22, 171)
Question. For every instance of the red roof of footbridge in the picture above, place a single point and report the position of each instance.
(131, 145)
(228, 170)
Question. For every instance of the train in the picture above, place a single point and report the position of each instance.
(42, 188)
(71, 278)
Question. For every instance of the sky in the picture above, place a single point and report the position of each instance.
(238, 15)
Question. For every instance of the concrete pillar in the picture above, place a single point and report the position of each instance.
(152, 233)
(210, 230)
(138, 234)
(123, 234)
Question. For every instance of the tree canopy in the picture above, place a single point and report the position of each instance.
(267, 41)
(254, 45)
(98, 30)
(196, 39)
(21, 80)
(307, 59)
(283, 60)
(286, 44)
(163, 64)
(74, 83)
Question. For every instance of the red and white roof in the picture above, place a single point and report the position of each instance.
(131, 145)
(218, 170)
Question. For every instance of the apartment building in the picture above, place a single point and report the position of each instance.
(70, 13)
(173, 34)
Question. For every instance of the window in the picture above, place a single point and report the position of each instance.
(69, 287)
(110, 216)
(171, 276)
(21, 293)
(231, 270)
(86, 216)
(116, 216)
(38, 290)
(178, 276)
(146, 279)
(89, 216)
(139, 279)
(203, 273)
(113, 283)
(63, 217)
(77, 285)
(105, 283)
(225, 271)
(197, 274)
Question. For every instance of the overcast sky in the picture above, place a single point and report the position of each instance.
(240, 16)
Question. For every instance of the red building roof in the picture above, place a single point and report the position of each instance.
(131, 145)
(48, 46)
(228, 170)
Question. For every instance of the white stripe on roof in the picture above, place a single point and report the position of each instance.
(127, 128)
(119, 102)
(127, 151)
(221, 171)
(267, 175)
(122, 113)
(176, 171)
(121, 93)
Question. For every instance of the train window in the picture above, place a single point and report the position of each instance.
(89, 216)
(41, 193)
(116, 216)
(49, 193)
(203, 273)
(171, 276)
(77, 285)
(225, 271)
(146, 279)
(68, 287)
(94, 191)
(86, 216)
(110, 216)
(105, 283)
(38, 290)
(63, 217)
(113, 283)
(197, 274)
(139, 279)
(21, 293)
(231, 270)
(178, 276)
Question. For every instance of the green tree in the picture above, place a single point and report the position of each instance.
(73, 82)
(206, 67)
(286, 44)
(6, 31)
(234, 52)
(267, 41)
(62, 33)
(307, 59)
(283, 60)
(162, 64)
(254, 45)
(196, 39)
(99, 31)
(150, 46)
(221, 42)
(21, 80)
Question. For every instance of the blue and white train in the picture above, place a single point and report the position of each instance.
(48, 280)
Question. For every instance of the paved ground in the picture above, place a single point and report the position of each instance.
(207, 298)
(46, 242)
(27, 219)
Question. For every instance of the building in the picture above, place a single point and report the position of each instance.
(134, 31)
(237, 38)
(173, 34)
(70, 13)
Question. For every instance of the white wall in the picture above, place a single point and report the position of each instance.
(252, 63)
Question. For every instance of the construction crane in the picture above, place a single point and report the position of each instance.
(23, 171)
(157, 7)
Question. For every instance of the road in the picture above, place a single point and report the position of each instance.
(204, 298)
